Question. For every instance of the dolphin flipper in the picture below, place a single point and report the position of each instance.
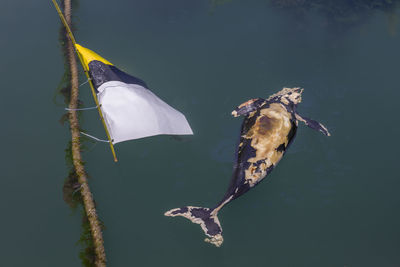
(248, 107)
(313, 124)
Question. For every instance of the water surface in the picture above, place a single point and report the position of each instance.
(330, 202)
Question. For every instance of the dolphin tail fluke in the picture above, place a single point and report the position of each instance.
(207, 219)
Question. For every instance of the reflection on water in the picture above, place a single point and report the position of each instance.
(338, 13)
(392, 22)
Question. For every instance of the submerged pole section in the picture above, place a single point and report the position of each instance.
(87, 198)
(72, 38)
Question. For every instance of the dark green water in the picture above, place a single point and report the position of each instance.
(330, 202)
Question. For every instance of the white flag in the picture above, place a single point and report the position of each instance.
(130, 109)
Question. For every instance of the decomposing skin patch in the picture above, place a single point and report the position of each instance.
(268, 128)
(269, 131)
(281, 147)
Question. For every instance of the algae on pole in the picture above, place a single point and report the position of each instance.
(87, 198)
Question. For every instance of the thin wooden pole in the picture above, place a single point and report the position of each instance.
(71, 36)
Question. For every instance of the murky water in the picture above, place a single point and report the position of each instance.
(330, 202)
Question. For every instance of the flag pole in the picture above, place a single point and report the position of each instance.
(71, 36)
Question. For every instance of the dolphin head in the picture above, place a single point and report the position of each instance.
(288, 96)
